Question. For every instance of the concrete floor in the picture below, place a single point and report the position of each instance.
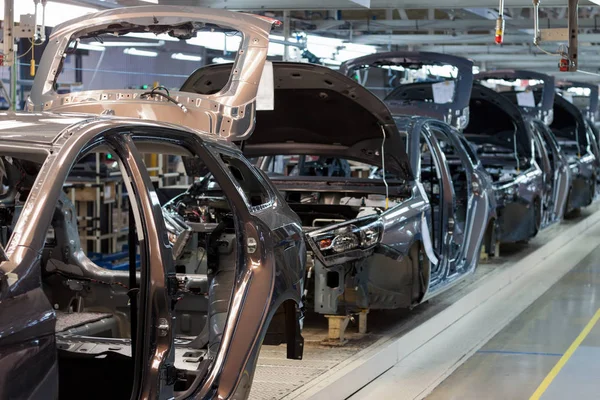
(516, 360)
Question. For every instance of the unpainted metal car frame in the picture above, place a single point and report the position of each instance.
(265, 277)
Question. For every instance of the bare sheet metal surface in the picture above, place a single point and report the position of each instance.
(277, 377)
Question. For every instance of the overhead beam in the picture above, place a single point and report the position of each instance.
(417, 25)
(532, 58)
(509, 38)
(274, 5)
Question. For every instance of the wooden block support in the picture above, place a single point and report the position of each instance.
(362, 321)
(337, 327)
(484, 256)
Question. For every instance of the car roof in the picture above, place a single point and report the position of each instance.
(45, 127)
(38, 128)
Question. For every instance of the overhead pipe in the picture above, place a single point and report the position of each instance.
(536, 22)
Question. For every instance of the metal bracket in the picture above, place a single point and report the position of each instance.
(554, 35)
(573, 34)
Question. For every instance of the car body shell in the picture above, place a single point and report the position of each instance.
(385, 276)
(581, 149)
(461, 242)
(269, 276)
(521, 194)
(552, 160)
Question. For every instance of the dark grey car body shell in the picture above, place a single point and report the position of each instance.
(287, 130)
(455, 113)
(552, 160)
(305, 93)
(519, 200)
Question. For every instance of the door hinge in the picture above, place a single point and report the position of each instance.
(169, 374)
(172, 285)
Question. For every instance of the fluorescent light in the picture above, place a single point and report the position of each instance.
(217, 41)
(221, 60)
(360, 48)
(152, 36)
(132, 44)
(151, 1)
(330, 61)
(185, 57)
(86, 46)
(132, 51)
(579, 91)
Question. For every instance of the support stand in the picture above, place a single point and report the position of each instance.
(337, 329)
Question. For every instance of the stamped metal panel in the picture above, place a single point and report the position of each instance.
(228, 113)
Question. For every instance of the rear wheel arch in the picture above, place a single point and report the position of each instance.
(421, 266)
(284, 326)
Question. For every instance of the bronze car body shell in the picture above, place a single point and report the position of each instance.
(266, 277)
(228, 113)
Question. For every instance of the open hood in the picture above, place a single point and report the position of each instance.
(493, 114)
(447, 100)
(542, 95)
(569, 121)
(319, 110)
(583, 95)
(228, 113)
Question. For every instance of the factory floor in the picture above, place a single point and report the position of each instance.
(550, 351)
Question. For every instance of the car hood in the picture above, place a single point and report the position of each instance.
(482, 94)
(317, 110)
(588, 105)
(544, 98)
(416, 98)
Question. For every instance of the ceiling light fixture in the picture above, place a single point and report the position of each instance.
(185, 57)
(132, 51)
(133, 44)
(221, 60)
(151, 36)
(92, 47)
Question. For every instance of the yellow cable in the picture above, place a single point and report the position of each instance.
(32, 66)
(547, 52)
(27, 52)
